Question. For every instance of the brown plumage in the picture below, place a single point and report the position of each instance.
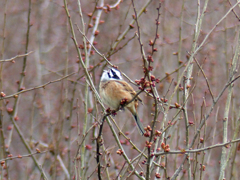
(114, 91)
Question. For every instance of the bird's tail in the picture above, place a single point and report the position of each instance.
(139, 124)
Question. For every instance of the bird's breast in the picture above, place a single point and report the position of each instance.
(113, 92)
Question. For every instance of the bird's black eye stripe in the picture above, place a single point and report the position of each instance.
(115, 76)
(109, 75)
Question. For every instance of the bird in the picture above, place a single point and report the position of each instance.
(113, 89)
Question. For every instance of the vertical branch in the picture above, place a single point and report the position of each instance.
(147, 74)
(213, 139)
(178, 73)
(233, 70)
(2, 138)
(23, 73)
(226, 43)
(99, 13)
(69, 127)
(233, 149)
(87, 94)
(62, 116)
(99, 143)
(189, 74)
(180, 44)
(71, 106)
(202, 140)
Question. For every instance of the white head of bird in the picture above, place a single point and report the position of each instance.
(111, 74)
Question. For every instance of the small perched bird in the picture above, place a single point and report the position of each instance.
(113, 89)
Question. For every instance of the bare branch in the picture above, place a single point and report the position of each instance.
(37, 87)
(15, 57)
(183, 151)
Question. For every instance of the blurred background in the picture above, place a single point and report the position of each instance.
(55, 118)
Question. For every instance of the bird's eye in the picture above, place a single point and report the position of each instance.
(115, 76)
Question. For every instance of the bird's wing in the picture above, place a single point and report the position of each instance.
(129, 88)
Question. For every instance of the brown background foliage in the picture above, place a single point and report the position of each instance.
(52, 118)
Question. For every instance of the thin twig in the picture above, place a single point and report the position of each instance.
(22, 156)
(112, 6)
(15, 57)
(234, 11)
(37, 87)
(209, 88)
(183, 151)
(157, 26)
